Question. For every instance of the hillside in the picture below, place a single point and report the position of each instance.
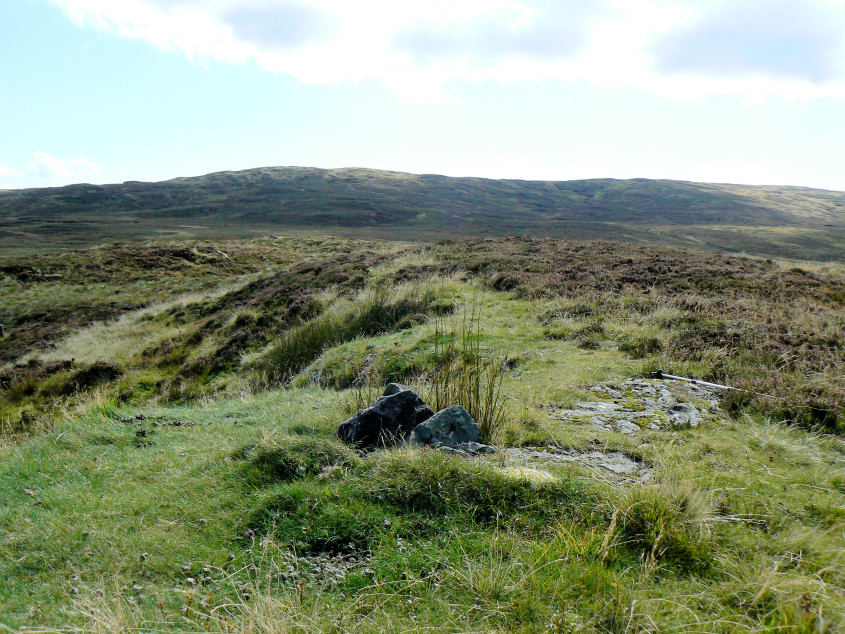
(772, 221)
(168, 457)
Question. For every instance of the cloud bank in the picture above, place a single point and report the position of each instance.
(781, 39)
(44, 166)
(422, 50)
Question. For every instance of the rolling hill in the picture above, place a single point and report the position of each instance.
(790, 222)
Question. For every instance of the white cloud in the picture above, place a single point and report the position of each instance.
(678, 48)
(9, 172)
(48, 167)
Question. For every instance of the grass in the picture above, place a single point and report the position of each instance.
(464, 374)
(228, 504)
(376, 311)
(439, 541)
(668, 523)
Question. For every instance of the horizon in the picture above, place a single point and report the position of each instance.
(468, 176)
(745, 92)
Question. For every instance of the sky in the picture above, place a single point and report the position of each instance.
(741, 91)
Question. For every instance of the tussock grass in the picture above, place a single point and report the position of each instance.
(465, 374)
(435, 483)
(374, 311)
(668, 523)
(294, 457)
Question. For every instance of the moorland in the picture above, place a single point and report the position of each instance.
(771, 221)
(168, 458)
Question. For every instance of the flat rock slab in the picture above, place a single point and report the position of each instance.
(614, 462)
(629, 406)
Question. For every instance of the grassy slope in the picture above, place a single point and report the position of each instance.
(784, 221)
(100, 517)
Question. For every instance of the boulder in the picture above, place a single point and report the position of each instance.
(395, 388)
(449, 427)
(386, 422)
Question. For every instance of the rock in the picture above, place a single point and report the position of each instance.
(475, 448)
(450, 427)
(386, 422)
(468, 449)
(395, 388)
(626, 426)
(684, 415)
(614, 461)
(645, 404)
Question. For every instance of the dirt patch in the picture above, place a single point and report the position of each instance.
(155, 421)
(33, 371)
(92, 375)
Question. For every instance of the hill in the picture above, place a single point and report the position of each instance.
(788, 222)
(168, 459)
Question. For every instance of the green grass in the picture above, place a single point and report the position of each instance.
(99, 528)
(378, 310)
(158, 500)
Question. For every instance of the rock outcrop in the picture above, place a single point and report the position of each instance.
(634, 405)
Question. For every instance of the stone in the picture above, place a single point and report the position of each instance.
(395, 388)
(684, 415)
(468, 449)
(386, 422)
(647, 404)
(615, 462)
(451, 426)
(625, 426)
(475, 448)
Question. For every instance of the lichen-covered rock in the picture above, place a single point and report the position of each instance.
(635, 404)
(449, 427)
(386, 422)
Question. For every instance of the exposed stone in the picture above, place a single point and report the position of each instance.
(395, 388)
(386, 422)
(615, 462)
(684, 415)
(469, 448)
(450, 427)
(637, 404)
(626, 426)
(475, 448)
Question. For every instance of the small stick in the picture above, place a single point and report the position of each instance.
(660, 374)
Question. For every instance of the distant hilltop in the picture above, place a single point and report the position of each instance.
(793, 222)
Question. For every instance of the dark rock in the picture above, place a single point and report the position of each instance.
(395, 388)
(450, 427)
(386, 422)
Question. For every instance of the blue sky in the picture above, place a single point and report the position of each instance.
(748, 91)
